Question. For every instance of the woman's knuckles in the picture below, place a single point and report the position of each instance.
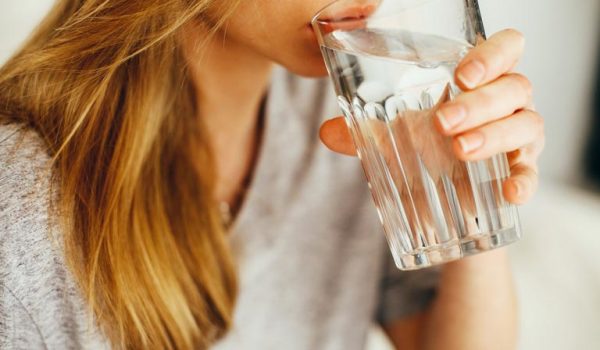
(489, 103)
(491, 59)
(516, 37)
(523, 87)
(521, 130)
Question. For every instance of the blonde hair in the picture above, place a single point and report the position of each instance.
(104, 83)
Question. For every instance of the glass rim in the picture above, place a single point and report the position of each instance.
(317, 17)
(359, 12)
(366, 11)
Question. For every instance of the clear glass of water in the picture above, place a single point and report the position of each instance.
(392, 63)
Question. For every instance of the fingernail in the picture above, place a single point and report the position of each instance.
(471, 74)
(471, 142)
(450, 116)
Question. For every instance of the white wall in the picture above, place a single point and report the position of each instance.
(17, 18)
(563, 38)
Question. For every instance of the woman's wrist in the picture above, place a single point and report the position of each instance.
(484, 279)
(489, 271)
(477, 293)
(496, 259)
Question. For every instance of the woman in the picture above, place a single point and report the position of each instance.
(133, 129)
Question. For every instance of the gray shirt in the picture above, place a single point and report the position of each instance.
(313, 265)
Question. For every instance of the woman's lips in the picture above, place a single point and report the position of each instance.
(345, 19)
(349, 14)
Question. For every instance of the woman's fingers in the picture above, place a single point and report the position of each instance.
(526, 127)
(508, 134)
(335, 135)
(478, 107)
(491, 59)
(521, 185)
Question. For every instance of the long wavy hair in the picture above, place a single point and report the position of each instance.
(105, 85)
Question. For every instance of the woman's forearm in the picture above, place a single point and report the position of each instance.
(476, 306)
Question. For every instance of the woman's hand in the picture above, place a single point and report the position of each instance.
(495, 114)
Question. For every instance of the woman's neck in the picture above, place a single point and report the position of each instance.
(231, 81)
(229, 77)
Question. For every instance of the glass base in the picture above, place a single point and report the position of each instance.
(457, 249)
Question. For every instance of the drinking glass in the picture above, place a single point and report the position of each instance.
(392, 63)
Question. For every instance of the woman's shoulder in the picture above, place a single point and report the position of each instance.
(25, 187)
(21, 147)
(25, 178)
(39, 300)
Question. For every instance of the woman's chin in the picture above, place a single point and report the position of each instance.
(313, 68)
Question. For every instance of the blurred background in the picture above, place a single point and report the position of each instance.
(556, 265)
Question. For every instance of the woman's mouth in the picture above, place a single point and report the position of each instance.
(347, 14)
(348, 18)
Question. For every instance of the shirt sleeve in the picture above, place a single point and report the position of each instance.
(404, 293)
(17, 328)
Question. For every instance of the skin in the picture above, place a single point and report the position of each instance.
(476, 305)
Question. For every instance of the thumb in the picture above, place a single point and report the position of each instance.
(335, 135)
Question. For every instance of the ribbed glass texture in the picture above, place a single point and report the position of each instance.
(390, 79)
